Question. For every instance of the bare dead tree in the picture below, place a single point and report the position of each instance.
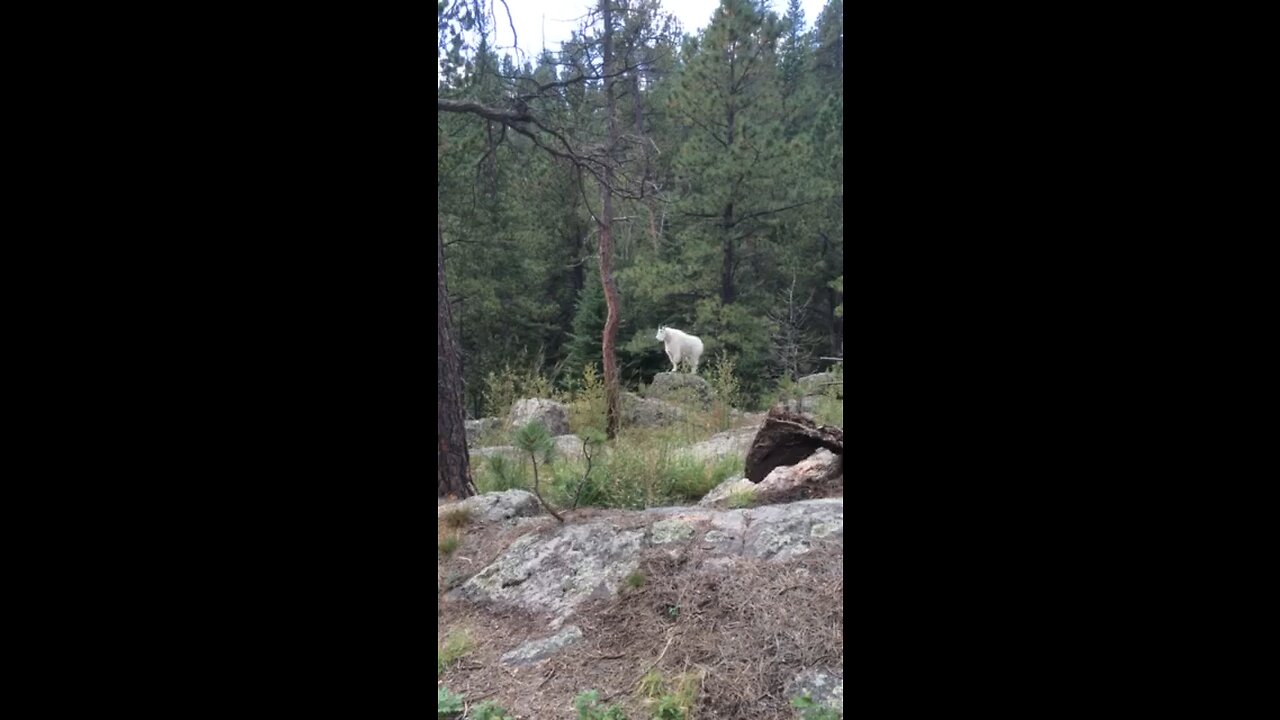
(791, 340)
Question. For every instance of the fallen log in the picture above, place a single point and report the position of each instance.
(786, 438)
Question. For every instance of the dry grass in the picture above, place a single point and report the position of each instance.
(456, 518)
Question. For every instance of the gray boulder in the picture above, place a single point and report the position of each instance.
(536, 650)
(554, 570)
(649, 412)
(807, 405)
(820, 383)
(483, 426)
(781, 532)
(681, 388)
(554, 415)
(555, 573)
(569, 447)
(507, 451)
(823, 687)
(720, 494)
(495, 506)
(730, 443)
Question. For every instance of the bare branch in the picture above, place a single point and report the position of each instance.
(485, 111)
(514, 41)
(762, 213)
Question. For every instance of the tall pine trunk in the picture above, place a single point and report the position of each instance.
(612, 390)
(452, 462)
(729, 243)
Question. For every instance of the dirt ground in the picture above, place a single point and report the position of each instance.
(742, 631)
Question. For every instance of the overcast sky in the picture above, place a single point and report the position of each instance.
(555, 19)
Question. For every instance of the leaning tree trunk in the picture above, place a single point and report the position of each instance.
(612, 391)
(452, 462)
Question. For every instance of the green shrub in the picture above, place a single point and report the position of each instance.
(448, 544)
(587, 407)
(448, 704)
(726, 390)
(500, 473)
(741, 499)
(456, 518)
(454, 649)
(503, 388)
(830, 410)
(489, 711)
(810, 710)
(588, 706)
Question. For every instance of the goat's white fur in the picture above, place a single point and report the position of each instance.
(680, 346)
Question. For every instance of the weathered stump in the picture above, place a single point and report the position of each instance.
(786, 438)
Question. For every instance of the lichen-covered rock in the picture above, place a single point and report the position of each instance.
(536, 650)
(822, 687)
(554, 570)
(732, 442)
(569, 447)
(681, 388)
(808, 405)
(781, 532)
(720, 494)
(494, 506)
(649, 412)
(478, 428)
(553, 415)
(669, 531)
(820, 384)
(557, 572)
(746, 419)
(507, 451)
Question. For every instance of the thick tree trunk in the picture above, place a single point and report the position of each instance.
(452, 462)
(726, 270)
(612, 389)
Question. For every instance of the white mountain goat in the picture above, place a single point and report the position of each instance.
(680, 346)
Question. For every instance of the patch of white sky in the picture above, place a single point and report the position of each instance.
(548, 23)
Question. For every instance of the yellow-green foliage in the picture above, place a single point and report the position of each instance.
(587, 408)
(504, 387)
(830, 410)
(672, 699)
(455, 647)
(448, 544)
(498, 473)
(741, 499)
(456, 518)
(726, 389)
